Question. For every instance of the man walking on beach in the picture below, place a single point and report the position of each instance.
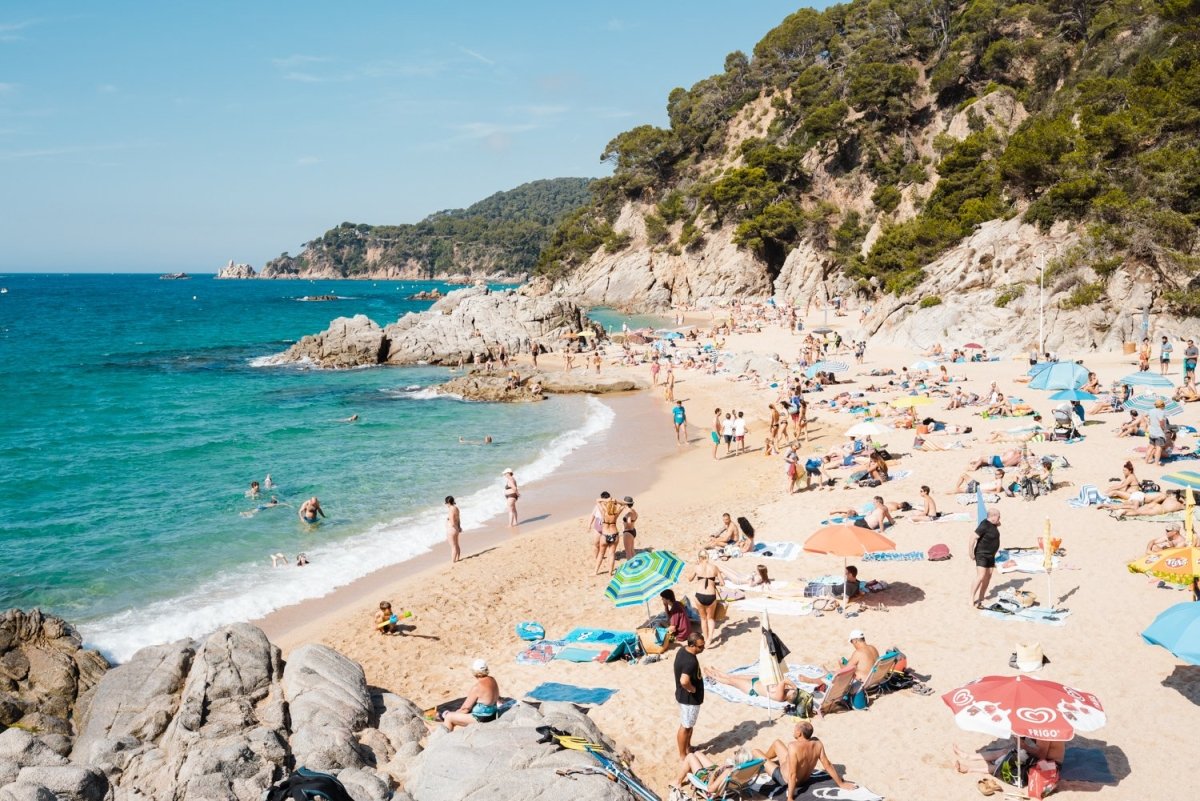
(985, 544)
(679, 415)
(1190, 353)
(689, 691)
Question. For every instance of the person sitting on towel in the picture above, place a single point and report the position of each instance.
(850, 587)
(791, 764)
(1172, 539)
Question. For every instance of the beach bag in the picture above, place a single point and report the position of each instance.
(972, 486)
(305, 784)
(1149, 486)
(938, 553)
(1030, 488)
(805, 707)
(1043, 779)
(721, 612)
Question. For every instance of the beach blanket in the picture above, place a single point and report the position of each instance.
(1166, 517)
(776, 606)
(953, 517)
(540, 653)
(1033, 614)
(1089, 495)
(596, 645)
(898, 475)
(970, 498)
(806, 677)
(1085, 766)
(894, 556)
(1024, 562)
(787, 551)
(839, 520)
(553, 691)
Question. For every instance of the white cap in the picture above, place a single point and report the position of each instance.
(857, 635)
(479, 666)
(506, 470)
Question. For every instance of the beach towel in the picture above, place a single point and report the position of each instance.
(776, 606)
(1089, 495)
(787, 551)
(898, 475)
(970, 499)
(1085, 766)
(894, 556)
(953, 517)
(806, 677)
(596, 645)
(553, 691)
(1033, 614)
(1166, 517)
(1024, 562)
(835, 793)
(540, 653)
(839, 520)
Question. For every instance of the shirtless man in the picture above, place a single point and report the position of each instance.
(1010, 458)
(997, 484)
(877, 516)
(862, 660)
(727, 534)
(453, 528)
(629, 528)
(928, 510)
(792, 764)
(310, 509)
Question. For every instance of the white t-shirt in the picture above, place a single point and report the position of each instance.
(739, 427)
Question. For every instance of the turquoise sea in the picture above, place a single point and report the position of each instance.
(137, 411)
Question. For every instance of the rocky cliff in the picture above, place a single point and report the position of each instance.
(934, 158)
(226, 717)
(468, 325)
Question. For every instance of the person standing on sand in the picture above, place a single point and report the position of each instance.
(453, 528)
(569, 358)
(1144, 355)
(1164, 356)
(791, 466)
(511, 493)
(669, 390)
(654, 368)
(985, 544)
(716, 431)
(1190, 354)
(597, 360)
(629, 528)
(689, 691)
(679, 417)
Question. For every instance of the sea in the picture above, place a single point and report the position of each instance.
(137, 411)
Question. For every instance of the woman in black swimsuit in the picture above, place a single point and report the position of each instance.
(511, 493)
(706, 598)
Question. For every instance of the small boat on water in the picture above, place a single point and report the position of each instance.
(174, 277)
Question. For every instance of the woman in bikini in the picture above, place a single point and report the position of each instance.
(709, 577)
(1126, 485)
(629, 528)
(784, 692)
(609, 510)
(511, 493)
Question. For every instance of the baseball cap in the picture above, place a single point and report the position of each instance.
(857, 635)
(479, 666)
(629, 500)
(506, 470)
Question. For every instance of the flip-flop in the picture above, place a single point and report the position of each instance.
(989, 786)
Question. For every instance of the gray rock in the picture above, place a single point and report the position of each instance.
(27, 750)
(328, 698)
(67, 782)
(26, 792)
(364, 785)
(348, 342)
(398, 719)
(232, 270)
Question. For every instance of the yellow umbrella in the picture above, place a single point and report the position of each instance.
(1176, 565)
(911, 400)
(1189, 511)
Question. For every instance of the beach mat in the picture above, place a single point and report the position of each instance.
(952, 517)
(553, 691)
(1024, 562)
(1085, 766)
(1168, 517)
(1033, 614)
(775, 606)
(970, 498)
(786, 551)
(540, 653)
(806, 677)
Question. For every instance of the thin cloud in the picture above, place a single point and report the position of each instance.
(5, 88)
(480, 57)
(297, 59)
(305, 161)
(10, 31)
(606, 113)
(52, 152)
(488, 130)
(539, 110)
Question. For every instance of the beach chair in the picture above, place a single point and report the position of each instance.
(880, 671)
(651, 644)
(835, 695)
(730, 784)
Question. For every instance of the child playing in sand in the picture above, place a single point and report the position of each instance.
(387, 622)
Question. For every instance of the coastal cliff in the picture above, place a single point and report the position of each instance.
(228, 716)
(934, 159)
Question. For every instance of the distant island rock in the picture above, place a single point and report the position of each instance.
(232, 270)
(432, 294)
(469, 325)
(318, 298)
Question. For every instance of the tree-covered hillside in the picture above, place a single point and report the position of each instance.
(1111, 89)
(501, 233)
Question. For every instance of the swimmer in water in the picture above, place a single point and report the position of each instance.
(301, 559)
(268, 505)
(351, 419)
(253, 491)
(268, 484)
(487, 440)
(310, 509)
(278, 559)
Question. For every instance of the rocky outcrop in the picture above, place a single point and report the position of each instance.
(44, 671)
(504, 760)
(232, 270)
(576, 381)
(492, 388)
(496, 387)
(470, 325)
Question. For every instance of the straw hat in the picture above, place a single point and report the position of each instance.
(1030, 657)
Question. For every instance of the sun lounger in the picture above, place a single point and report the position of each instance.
(731, 784)
(835, 695)
(882, 668)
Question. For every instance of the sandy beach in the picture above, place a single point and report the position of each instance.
(901, 747)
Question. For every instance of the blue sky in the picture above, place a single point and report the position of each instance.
(175, 136)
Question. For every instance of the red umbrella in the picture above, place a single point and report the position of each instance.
(973, 346)
(1019, 706)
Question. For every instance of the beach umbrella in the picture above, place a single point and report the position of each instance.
(973, 346)
(643, 577)
(1184, 478)
(771, 653)
(826, 367)
(1146, 378)
(1048, 545)
(1176, 565)
(1060, 375)
(1178, 630)
(924, 364)
(1020, 706)
(906, 401)
(664, 333)
(1145, 402)
(870, 428)
(823, 330)
(980, 507)
(846, 541)
(1072, 395)
(1039, 367)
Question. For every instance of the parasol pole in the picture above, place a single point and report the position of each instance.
(1048, 563)
(1189, 523)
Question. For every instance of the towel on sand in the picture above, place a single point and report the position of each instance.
(969, 498)
(553, 691)
(806, 677)
(1032, 614)
(1024, 562)
(787, 551)
(540, 653)
(1085, 766)
(776, 606)
(1166, 517)
(1089, 495)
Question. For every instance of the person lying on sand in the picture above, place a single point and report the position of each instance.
(1010, 458)
(997, 484)
(1149, 505)
(1188, 392)
(1173, 538)
(784, 692)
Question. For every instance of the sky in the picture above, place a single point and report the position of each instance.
(154, 137)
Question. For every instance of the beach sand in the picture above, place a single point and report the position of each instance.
(901, 746)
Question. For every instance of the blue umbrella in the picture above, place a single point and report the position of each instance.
(1072, 395)
(1184, 478)
(925, 365)
(1039, 367)
(1147, 379)
(1060, 375)
(1178, 630)
(1144, 403)
(668, 334)
(980, 507)
(826, 367)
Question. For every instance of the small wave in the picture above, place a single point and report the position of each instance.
(278, 360)
(226, 599)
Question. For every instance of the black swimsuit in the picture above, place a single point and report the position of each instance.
(707, 599)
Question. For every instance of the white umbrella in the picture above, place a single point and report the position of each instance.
(771, 653)
(869, 428)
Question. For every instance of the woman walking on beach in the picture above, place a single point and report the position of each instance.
(511, 493)
(706, 573)
(453, 528)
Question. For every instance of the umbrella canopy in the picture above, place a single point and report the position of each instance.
(771, 653)
(973, 346)
(1020, 706)
(643, 577)
(822, 330)
(905, 401)
(664, 333)
(1037, 368)
(867, 429)
(924, 364)
(1145, 402)
(847, 541)
(1072, 395)
(1147, 379)
(1184, 478)
(1178, 630)
(826, 367)
(1060, 375)
(1176, 565)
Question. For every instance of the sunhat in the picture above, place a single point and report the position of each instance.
(506, 470)
(857, 635)
(629, 500)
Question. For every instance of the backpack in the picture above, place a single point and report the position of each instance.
(804, 706)
(305, 784)
(972, 486)
(1149, 486)
(1030, 488)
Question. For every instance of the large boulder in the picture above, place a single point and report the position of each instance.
(328, 699)
(503, 760)
(348, 342)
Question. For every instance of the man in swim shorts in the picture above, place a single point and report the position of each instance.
(984, 545)
(791, 764)
(310, 509)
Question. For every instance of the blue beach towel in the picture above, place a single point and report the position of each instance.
(553, 691)
(531, 631)
(786, 551)
(1089, 495)
(1086, 765)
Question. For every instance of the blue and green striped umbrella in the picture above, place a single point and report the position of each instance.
(1184, 478)
(643, 577)
(1144, 403)
(1146, 378)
